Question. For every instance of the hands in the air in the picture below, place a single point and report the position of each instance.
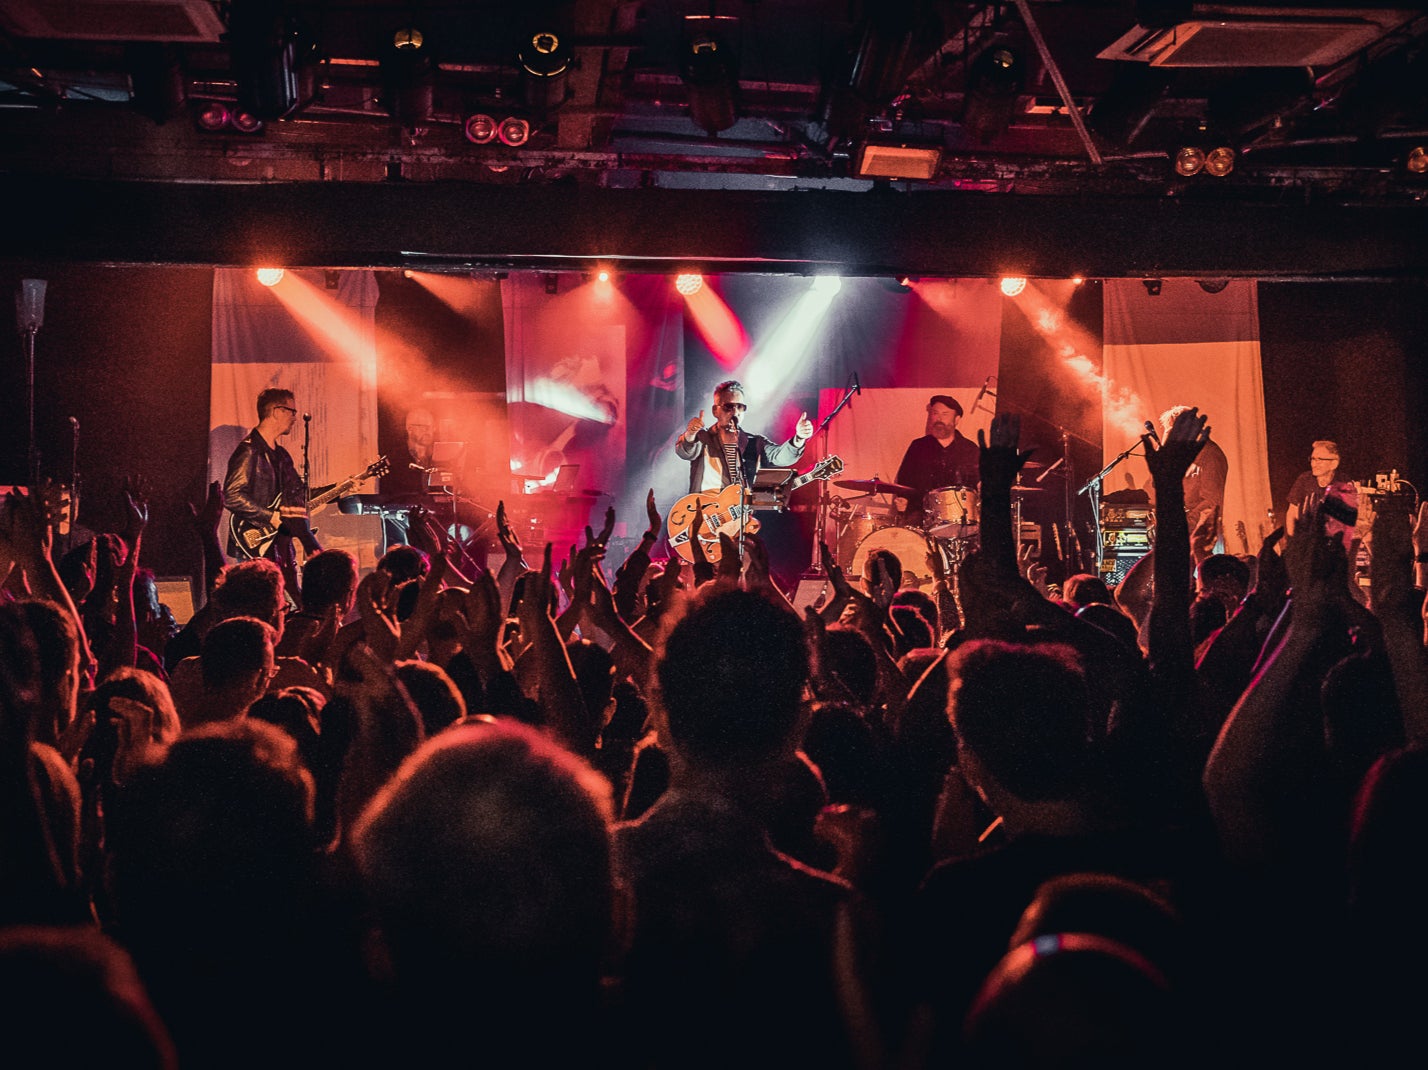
(1172, 458)
(1000, 459)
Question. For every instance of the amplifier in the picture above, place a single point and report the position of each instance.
(1126, 516)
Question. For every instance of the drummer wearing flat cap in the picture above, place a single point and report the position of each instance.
(943, 457)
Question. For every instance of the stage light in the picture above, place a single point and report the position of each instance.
(212, 116)
(689, 284)
(1417, 162)
(877, 160)
(1013, 285)
(1078, 280)
(1189, 160)
(544, 61)
(480, 129)
(408, 77)
(827, 284)
(709, 65)
(552, 283)
(602, 276)
(270, 276)
(246, 123)
(513, 131)
(994, 81)
(1152, 286)
(1220, 161)
(270, 59)
(330, 278)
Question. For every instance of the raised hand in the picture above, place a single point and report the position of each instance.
(652, 511)
(207, 516)
(1170, 460)
(605, 531)
(510, 541)
(1318, 568)
(803, 430)
(1000, 458)
(380, 627)
(694, 427)
(729, 564)
(136, 508)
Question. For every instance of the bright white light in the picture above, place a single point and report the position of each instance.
(776, 358)
(604, 276)
(827, 284)
(689, 284)
(571, 400)
(1013, 285)
(270, 276)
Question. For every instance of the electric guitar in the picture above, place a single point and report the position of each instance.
(253, 538)
(722, 512)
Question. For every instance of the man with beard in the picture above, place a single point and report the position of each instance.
(943, 457)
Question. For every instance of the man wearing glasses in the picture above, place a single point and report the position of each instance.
(1308, 489)
(725, 453)
(263, 490)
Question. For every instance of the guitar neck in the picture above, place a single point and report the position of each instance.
(333, 493)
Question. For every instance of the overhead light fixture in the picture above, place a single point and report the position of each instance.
(513, 131)
(1220, 161)
(826, 284)
(689, 283)
(552, 282)
(480, 129)
(994, 81)
(270, 276)
(270, 59)
(1152, 286)
(1013, 285)
(213, 116)
(544, 61)
(1212, 286)
(709, 65)
(898, 161)
(157, 80)
(1078, 280)
(1189, 160)
(602, 275)
(331, 277)
(408, 77)
(246, 123)
(1417, 161)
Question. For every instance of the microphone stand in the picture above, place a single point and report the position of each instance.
(744, 491)
(73, 483)
(1093, 485)
(820, 519)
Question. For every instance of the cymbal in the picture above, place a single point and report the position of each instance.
(1017, 488)
(876, 486)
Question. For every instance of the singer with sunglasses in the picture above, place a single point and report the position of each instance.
(263, 489)
(724, 453)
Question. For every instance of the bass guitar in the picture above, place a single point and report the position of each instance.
(253, 538)
(722, 512)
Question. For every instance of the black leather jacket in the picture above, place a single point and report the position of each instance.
(256, 473)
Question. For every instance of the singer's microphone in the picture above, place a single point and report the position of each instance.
(420, 467)
(1150, 427)
(307, 416)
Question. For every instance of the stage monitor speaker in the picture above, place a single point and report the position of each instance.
(812, 591)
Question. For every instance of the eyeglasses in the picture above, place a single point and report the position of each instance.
(1326, 460)
(286, 408)
(733, 406)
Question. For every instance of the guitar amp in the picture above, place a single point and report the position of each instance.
(1127, 520)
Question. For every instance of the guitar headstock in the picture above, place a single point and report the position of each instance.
(827, 468)
(377, 469)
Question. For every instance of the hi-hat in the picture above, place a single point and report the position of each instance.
(876, 486)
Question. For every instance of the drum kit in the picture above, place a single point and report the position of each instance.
(950, 526)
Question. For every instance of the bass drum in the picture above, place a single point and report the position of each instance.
(909, 545)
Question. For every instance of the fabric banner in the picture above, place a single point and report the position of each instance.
(303, 337)
(1188, 346)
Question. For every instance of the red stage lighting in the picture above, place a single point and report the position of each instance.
(270, 276)
(1013, 285)
(514, 132)
(689, 284)
(213, 116)
(480, 129)
(246, 123)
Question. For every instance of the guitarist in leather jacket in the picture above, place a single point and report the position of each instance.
(263, 488)
(711, 466)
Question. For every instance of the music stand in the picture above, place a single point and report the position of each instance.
(768, 482)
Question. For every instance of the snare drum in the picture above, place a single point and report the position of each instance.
(952, 512)
(908, 545)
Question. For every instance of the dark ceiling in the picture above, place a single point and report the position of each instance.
(112, 89)
(1026, 105)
